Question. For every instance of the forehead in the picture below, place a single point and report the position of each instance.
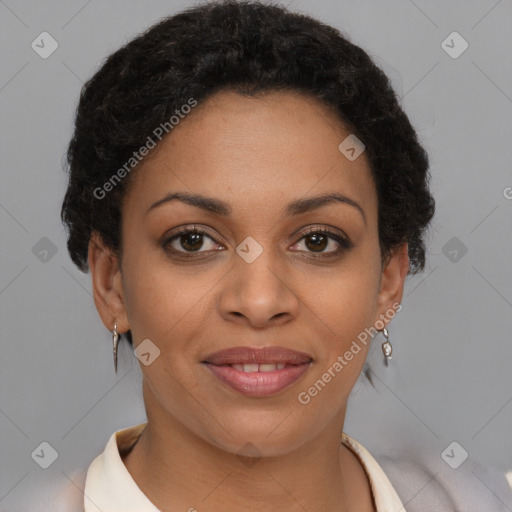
(257, 150)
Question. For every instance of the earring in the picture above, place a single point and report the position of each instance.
(387, 349)
(115, 340)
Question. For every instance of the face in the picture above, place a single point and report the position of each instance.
(266, 266)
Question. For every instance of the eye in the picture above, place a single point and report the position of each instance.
(189, 240)
(317, 240)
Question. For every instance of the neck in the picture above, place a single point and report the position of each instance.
(179, 470)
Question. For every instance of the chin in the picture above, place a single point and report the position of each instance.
(267, 434)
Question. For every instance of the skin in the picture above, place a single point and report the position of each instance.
(257, 154)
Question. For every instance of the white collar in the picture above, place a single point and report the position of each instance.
(109, 487)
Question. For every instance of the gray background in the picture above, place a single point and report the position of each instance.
(450, 379)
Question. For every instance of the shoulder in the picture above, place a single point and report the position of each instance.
(424, 481)
(56, 492)
(71, 497)
(65, 493)
(384, 495)
(428, 485)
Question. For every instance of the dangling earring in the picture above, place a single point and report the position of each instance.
(115, 340)
(387, 349)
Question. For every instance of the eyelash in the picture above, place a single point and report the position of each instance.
(344, 243)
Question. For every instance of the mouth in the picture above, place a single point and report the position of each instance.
(258, 372)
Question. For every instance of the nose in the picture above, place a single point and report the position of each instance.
(258, 294)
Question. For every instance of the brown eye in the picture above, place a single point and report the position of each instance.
(317, 241)
(189, 241)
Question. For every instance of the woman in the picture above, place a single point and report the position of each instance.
(249, 198)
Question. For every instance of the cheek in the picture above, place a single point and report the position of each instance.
(345, 297)
(163, 303)
(344, 309)
(344, 348)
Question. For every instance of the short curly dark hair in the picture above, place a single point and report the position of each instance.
(249, 48)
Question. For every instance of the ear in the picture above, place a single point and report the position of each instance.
(107, 285)
(392, 282)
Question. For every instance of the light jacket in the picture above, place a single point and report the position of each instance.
(107, 486)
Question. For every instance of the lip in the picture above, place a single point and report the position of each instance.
(258, 383)
(260, 355)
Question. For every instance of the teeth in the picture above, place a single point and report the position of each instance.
(251, 367)
(268, 367)
(254, 367)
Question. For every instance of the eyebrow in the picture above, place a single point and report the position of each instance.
(297, 207)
